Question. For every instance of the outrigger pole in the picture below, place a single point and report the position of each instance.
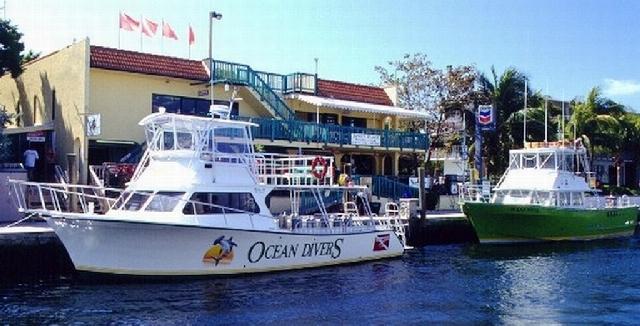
(524, 136)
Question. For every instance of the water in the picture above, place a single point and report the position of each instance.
(594, 282)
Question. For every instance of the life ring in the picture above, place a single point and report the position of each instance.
(319, 174)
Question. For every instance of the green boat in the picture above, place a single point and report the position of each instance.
(547, 194)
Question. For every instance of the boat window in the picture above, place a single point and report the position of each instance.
(164, 201)
(185, 140)
(168, 141)
(529, 160)
(136, 200)
(219, 203)
(576, 199)
(123, 197)
(563, 198)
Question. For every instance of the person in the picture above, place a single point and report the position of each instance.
(30, 158)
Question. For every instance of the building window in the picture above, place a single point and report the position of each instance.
(354, 122)
(221, 203)
(187, 105)
(53, 105)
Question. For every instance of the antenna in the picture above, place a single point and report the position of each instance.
(524, 136)
(546, 99)
(562, 117)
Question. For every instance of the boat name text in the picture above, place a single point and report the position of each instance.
(260, 250)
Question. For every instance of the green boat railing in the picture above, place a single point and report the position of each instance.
(309, 132)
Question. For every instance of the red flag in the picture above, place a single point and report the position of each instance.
(149, 28)
(127, 23)
(192, 36)
(168, 32)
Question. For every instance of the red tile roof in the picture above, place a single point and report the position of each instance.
(144, 63)
(353, 92)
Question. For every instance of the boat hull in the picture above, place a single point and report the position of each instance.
(500, 223)
(142, 248)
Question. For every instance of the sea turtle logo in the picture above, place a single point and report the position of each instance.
(220, 252)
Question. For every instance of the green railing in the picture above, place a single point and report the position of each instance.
(309, 132)
(243, 74)
(384, 186)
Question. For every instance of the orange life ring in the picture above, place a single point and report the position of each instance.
(319, 174)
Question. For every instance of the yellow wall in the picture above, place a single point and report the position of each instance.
(32, 92)
(123, 99)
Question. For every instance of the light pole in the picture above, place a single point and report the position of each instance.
(212, 15)
(316, 85)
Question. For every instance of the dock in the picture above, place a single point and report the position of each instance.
(31, 250)
(440, 227)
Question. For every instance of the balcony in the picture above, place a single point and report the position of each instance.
(335, 135)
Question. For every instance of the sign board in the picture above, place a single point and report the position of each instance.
(485, 118)
(203, 92)
(413, 182)
(36, 136)
(365, 139)
(93, 124)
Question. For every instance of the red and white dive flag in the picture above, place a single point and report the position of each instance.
(127, 23)
(381, 243)
(168, 32)
(192, 36)
(149, 28)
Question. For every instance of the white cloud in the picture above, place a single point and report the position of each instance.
(613, 87)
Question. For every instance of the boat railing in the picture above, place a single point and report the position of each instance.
(278, 170)
(474, 193)
(600, 202)
(47, 198)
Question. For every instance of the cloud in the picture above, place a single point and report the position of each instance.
(613, 87)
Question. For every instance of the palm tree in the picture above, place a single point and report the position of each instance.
(506, 93)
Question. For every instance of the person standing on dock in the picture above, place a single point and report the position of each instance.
(30, 158)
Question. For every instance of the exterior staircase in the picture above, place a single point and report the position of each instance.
(261, 89)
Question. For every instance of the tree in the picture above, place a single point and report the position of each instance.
(28, 57)
(506, 93)
(436, 92)
(5, 142)
(10, 49)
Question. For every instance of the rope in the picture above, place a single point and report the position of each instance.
(20, 221)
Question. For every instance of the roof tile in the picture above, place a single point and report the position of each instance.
(353, 92)
(144, 63)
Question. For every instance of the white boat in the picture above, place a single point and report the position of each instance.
(198, 204)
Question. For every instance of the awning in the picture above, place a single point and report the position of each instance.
(358, 106)
(22, 130)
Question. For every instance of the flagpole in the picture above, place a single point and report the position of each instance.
(119, 18)
(141, 22)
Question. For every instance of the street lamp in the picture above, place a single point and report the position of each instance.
(212, 15)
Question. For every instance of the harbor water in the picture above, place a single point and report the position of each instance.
(585, 282)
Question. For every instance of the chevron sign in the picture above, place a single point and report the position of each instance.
(485, 117)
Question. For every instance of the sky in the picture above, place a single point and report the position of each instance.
(564, 47)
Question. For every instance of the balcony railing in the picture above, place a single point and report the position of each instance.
(309, 132)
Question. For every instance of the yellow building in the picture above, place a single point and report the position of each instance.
(85, 102)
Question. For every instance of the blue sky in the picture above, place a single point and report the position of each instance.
(565, 47)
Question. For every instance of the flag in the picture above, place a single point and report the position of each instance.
(149, 28)
(381, 242)
(192, 36)
(127, 23)
(168, 32)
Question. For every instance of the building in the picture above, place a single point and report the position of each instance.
(81, 104)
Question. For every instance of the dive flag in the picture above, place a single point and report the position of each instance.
(381, 242)
(149, 28)
(192, 36)
(127, 23)
(168, 32)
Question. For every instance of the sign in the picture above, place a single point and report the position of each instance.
(413, 182)
(36, 136)
(203, 92)
(485, 118)
(93, 124)
(365, 139)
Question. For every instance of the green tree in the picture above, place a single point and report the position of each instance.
(29, 56)
(10, 48)
(436, 92)
(5, 142)
(506, 93)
